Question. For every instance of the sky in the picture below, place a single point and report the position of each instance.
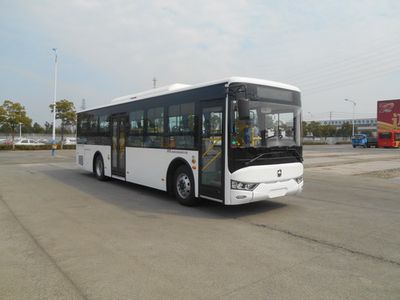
(331, 50)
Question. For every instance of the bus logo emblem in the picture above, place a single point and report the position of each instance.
(279, 173)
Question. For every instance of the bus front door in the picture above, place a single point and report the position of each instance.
(118, 143)
(212, 154)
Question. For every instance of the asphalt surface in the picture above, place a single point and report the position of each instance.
(65, 235)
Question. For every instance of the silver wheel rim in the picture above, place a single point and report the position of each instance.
(99, 167)
(183, 185)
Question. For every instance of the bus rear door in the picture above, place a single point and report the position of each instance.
(118, 143)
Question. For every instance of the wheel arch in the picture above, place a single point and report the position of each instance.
(97, 153)
(176, 163)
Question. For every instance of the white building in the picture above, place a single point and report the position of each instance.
(360, 124)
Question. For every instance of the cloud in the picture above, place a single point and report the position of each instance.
(130, 42)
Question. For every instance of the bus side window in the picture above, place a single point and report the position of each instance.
(93, 121)
(181, 126)
(104, 130)
(155, 127)
(136, 128)
(82, 129)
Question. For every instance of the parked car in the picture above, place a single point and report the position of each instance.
(69, 141)
(9, 141)
(28, 142)
(362, 140)
(44, 141)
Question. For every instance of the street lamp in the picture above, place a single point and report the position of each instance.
(53, 148)
(354, 108)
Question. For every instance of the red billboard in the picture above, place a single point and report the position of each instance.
(388, 116)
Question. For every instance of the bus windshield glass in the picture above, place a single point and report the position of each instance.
(267, 125)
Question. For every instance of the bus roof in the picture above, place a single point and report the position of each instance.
(178, 87)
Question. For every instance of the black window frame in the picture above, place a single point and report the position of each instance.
(206, 93)
(172, 136)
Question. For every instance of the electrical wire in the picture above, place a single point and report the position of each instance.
(346, 63)
(346, 82)
(350, 71)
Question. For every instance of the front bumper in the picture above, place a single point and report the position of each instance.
(265, 191)
(273, 181)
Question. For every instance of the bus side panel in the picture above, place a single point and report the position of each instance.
(85, 155)
(79, 155)
(149, 166)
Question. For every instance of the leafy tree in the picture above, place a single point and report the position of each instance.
(47, 127)
(11, 115)
(65, 111)
(304, 128)
(27, 128)
(327, 130)
(346, 129)
(2, 118)
(314, 128)
(37, 128)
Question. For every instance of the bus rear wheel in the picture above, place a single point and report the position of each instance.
(99, 168)
(184, 186)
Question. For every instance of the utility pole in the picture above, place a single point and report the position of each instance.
(54, 146)
(154, 82)
(354, 109)
(330, 117)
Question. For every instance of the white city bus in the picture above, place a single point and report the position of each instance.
(234, 141)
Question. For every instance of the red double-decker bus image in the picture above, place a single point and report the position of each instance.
(388, 121)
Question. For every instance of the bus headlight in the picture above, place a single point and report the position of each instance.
(299, 179)
(237, 185)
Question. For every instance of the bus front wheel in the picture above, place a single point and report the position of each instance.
(99, 168)
(184, 186)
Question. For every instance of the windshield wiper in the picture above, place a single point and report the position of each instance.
(259, 156)
(274, 151)
(255, 158)
(293, 150)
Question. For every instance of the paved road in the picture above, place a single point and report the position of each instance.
(64, 235)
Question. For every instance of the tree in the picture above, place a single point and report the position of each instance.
(328, 130)
(346, 129)
(304, 127)
(314, 128)
(65, 111)
(37, 128)
(47, 127)
(2, 116)
(11, 115)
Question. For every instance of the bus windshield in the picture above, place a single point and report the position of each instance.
(267, 125)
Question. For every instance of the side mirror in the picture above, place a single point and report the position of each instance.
(244, 109)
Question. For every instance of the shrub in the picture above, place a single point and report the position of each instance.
(5, 147)
(38, 147)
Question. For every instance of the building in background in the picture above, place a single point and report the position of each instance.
(364, 125)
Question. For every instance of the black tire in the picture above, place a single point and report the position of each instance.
(99, 168)
(354, 146)
(183, 186)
